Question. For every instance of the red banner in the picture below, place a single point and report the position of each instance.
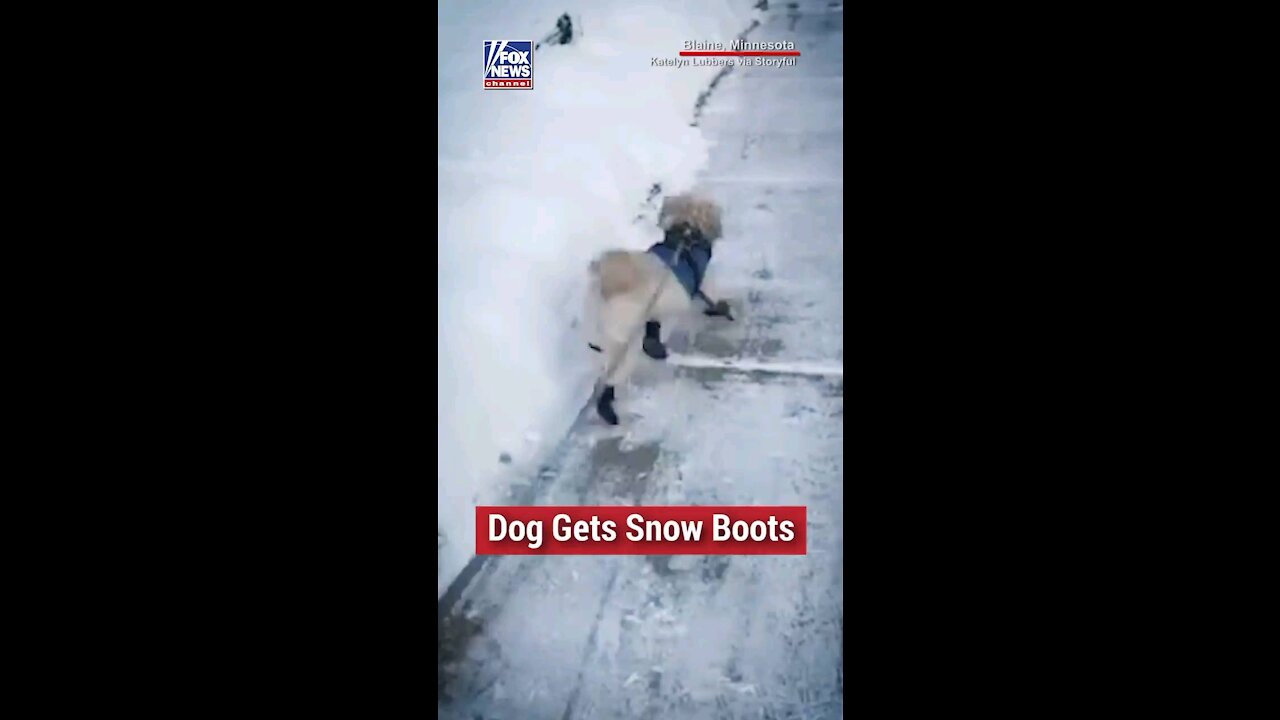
(630, 530)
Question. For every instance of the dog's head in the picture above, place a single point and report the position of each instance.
(696, 211)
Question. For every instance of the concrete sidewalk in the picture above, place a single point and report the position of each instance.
(690, 636)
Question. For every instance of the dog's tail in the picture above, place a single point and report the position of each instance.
(616, 298)
(618, 272)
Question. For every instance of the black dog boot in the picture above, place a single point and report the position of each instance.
(604, 406)
(653, 347)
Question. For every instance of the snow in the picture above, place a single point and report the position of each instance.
(783, 368)
(532, 185)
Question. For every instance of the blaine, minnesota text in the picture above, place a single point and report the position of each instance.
(738, 45)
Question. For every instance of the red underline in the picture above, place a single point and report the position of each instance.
(739, 53)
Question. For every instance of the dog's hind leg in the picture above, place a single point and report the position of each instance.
(591, 328)
(669, 307)
(619, 362)
(653, 344)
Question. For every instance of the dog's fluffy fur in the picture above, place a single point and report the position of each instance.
(624, 283)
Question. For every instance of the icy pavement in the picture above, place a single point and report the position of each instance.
(563, 637)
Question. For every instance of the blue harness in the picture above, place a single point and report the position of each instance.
(689, 266)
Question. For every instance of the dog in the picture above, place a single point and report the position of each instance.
(652, 289)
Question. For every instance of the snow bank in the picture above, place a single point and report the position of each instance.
(533, 184)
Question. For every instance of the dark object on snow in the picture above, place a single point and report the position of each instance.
(563, 33)
(652, 345)
(595, 347)
(504, 458)
(719, 308)
(604, 406)
(762, 5)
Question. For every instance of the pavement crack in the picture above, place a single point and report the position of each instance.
(589, 650)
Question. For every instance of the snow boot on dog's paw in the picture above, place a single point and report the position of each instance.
(653, 346)
(654, 349)
(604, 406)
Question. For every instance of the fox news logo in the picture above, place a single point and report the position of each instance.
(508, 64)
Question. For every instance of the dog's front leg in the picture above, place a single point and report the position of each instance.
(713, 304)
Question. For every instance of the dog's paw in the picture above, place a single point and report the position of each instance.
(606, 412)
(720, 309)
(654, 348)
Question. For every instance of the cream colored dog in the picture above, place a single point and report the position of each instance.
(650, 291)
